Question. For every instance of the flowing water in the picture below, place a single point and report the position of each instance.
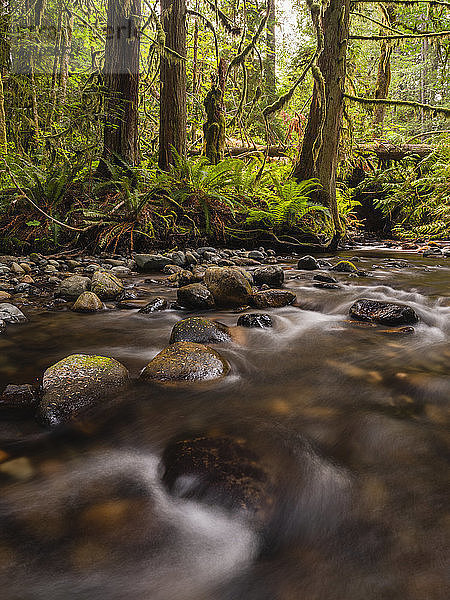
(351, 419)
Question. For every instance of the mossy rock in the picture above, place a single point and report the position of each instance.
(72, 287)
(76, 383)
(186, 361)
(228, 285)
(345, 266)
(199, 330)
(106, 286)
(87, 302)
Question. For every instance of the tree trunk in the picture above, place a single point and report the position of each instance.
(214, 128)
(3, 142)
(270, 83)
(121, 73)
(319, 155)
(384, 73)
(65, 56)
(172, 113)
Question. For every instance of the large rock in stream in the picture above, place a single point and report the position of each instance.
(77, 383)
(271, 275)
(106, 286)
(72, 287)
(229, 285)
(11, 314)
(385, 313)
(199, 330)
(186, 361)
(195, 296)
(272, 298)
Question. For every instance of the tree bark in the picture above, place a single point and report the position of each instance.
(214, 128)
(172, 115)
(319, 155)
(3, 142)
(384, 73)
(121, 75)
(270, 83)
(66, 49)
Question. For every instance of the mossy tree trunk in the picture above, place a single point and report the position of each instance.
(270, 82)
(172, 113)
(383, 74)
(319, 154)
(121, 76)
(215, 126)
(3, 142)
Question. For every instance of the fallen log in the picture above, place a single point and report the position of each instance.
(384, 151)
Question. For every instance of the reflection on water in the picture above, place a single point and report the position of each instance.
(349, 421)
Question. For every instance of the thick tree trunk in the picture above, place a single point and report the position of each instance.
(65, 56)
(270, 83)
(172, 115)
(319, 155)
(3, 142)
(214, 128)
(121, 73)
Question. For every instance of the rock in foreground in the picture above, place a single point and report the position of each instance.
(217, 470)
(385, 313)
(75, 384)
(186, 361)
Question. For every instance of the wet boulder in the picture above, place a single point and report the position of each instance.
(195, 296)
(255, 320)
(186, 361)
(106, 286)
(11, 314)
(272, 298)
(87, 302)
(308, 263)
(73, 286)
(199, 330)
(157, 304)
(152, 262)
(77, 383)
(384, 313)
(2, 326)
(345, 266)
(325, 278)
(219, 471)
(271, 275)
(228, 285)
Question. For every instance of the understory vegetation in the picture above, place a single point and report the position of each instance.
(220, 127)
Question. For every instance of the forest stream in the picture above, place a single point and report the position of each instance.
(340, 427)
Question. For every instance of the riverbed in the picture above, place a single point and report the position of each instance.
(349, 419)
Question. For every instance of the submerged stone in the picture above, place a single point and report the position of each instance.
(186, 361)
(157, 304)
(218, 471)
